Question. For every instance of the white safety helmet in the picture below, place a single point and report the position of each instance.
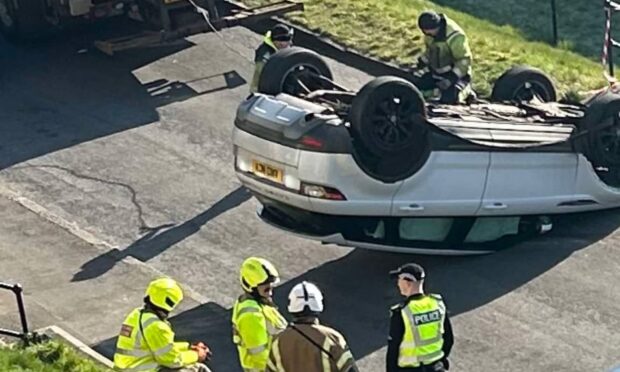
(305, 296)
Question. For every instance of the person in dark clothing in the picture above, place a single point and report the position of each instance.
(279, 37)
(420, 336)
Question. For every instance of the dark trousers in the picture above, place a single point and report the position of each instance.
(449, 96)
(435, 367)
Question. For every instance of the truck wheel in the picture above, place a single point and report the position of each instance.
(293, 71)
(523, 83)
(22, 20)
(388, 125)
(603, 145)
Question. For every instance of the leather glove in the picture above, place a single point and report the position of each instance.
(447, 80)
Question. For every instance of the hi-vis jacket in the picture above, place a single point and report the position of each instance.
(254, 325)
(448, 50)
(150, 346)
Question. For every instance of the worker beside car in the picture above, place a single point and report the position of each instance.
(420, 337)
(255, 318)
(445, 65)
(307, 345)
(146, 340)
(279, 37)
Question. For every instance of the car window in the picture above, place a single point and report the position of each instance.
(425, 229)
(487, 229)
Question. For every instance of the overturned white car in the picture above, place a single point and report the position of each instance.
(382, 169)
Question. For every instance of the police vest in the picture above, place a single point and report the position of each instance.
(254, 326)
(423, 339)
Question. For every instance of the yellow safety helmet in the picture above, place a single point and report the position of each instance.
(256, 271)
(165, 293)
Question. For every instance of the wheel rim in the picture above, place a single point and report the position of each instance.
(393, 122)
(609, 142)
(529, 90)
(300, 79)
(5, 14)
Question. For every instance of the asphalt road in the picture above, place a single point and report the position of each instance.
(135, 152)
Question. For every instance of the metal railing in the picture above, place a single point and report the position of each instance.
(25, 334)
(607, 59)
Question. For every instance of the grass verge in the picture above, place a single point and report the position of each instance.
(387, 29)
(46, 357)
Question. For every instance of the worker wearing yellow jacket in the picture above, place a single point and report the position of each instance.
(146, 341)
(256, 319)
(446, 63)
(279, 37)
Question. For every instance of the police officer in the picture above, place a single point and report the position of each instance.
(420, 337)
(279, 37)
(307, 345)
(146, 341)
(446, 63)
(256, 319)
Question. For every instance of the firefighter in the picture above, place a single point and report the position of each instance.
(445, 65)
(279, 37)
(306, 345)
(420, 338)
(256, 319)
(146, 341)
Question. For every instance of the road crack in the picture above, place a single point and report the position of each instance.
(144, 226)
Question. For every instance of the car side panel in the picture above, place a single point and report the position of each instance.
(589, 187)
(451, 183)
(365, 195)
(529, 183)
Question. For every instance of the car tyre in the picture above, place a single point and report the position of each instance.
(389, 130)
(520, 83)
(603, 145)
(385, 115)
(285, 67)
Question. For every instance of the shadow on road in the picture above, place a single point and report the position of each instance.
(359, 292)
(157, 241)
(63, 92)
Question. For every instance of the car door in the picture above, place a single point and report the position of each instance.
(451, 183)
(521, 183)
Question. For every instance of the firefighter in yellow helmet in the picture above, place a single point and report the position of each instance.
(256, 319)
(146, 341)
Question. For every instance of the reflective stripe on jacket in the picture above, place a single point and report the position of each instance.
(292, 352)
(137, 351)
(423, 339)
(254, 325)
(449, 50)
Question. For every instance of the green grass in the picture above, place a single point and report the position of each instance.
(580, 22)
(502, 33)
(46, 357)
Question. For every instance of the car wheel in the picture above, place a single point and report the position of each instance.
(389, 130)
(523, 83)
(603, 144)
(385, 115)
(27, 22)
(294, 71)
